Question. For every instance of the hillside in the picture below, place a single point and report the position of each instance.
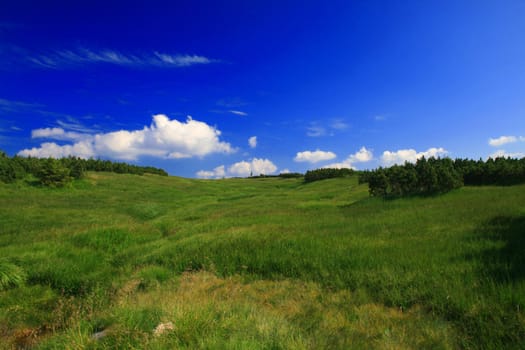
(259, 263)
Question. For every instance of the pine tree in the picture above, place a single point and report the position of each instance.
(53, 174)
(426, 176)
(378, 183)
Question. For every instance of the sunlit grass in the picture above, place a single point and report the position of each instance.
(211, 312)
(261, 263)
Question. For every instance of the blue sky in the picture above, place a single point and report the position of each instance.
(229, 88)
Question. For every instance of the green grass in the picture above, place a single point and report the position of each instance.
(259, 263)
(10, 275)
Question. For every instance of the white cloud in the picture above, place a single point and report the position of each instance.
(243, 114)
(217, 173)
(505, 154)
(56, 134)
(262, 166)
(256, 166)
(164, 138)
(252, 141)
(314, 157)
(285, 171)
(60, 59)
(241, 169)
(502, 140)
(82, 149)
(410, 155)
(362, 156)
(341, 165)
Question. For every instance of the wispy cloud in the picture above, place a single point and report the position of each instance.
(339, 124)
(315, 131)
(64, 120)
(180, 60)
(17, 106)
(63, 59)
(58, 134)
(502, 140)
(74, 125)
(241, 113)
(330, 128)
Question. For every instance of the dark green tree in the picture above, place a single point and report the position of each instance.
(378, 183)
(402, 179)
(447, 176)
(326, 173)
(53, 174)
(427, 179)
(10, 169)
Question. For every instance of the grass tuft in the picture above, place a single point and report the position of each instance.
(11, 275)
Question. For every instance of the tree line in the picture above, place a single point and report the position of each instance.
(440, 175)
(59, 172)
(326, 173)
(498, 171)
(281, 175)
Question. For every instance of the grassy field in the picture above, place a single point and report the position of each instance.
(265, 263)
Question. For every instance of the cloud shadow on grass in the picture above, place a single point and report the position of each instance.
(505, 262)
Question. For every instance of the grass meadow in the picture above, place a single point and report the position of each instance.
(266, 263)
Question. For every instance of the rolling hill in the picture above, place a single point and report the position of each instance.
(258, 264)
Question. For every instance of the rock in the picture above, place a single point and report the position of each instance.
(162, 328)
(99, 335)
